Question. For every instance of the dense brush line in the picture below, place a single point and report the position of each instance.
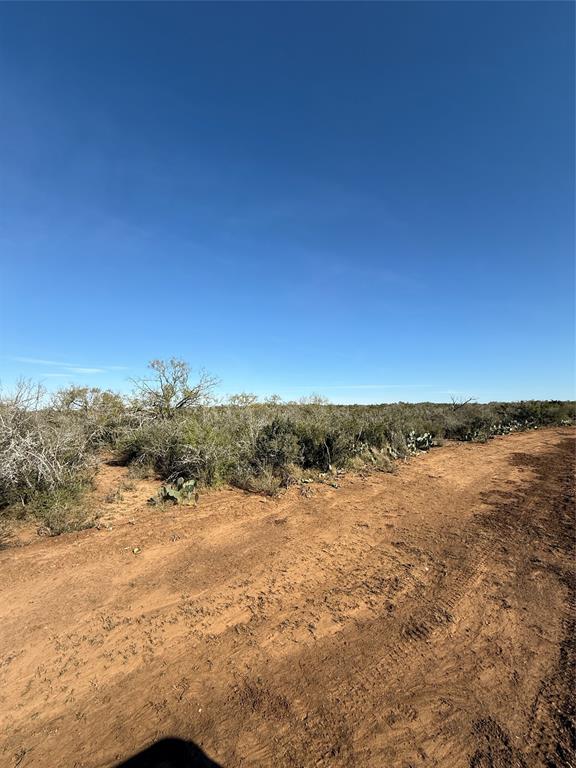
(171, 429)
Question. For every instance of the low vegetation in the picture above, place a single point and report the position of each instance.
(172, 428)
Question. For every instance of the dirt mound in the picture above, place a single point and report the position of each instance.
(418, 619)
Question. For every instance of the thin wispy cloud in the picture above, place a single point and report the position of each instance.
(87, 370)
(66, 369)
(39, 361)
(369, 386)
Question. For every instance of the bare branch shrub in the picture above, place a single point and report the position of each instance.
(38, 452)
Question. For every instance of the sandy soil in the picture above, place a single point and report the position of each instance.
(418, 619)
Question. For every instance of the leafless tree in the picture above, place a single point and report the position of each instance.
(242, 399)
(169, 389)
(460, 402)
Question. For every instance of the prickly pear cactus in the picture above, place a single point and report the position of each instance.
(416, 443)
(181, 492)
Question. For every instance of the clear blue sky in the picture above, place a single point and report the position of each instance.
(370, 201)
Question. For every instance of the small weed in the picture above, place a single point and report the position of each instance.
(265, 482)
(113, 496)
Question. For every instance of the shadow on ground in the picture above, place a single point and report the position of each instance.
(170, 753)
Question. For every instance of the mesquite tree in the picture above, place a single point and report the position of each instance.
(169, 388)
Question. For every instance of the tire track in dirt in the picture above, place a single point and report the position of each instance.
(325, 730)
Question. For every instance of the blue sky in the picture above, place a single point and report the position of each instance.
(372, 201)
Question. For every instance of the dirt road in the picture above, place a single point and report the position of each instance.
(418, 619)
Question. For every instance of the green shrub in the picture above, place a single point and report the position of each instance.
(276, 446)
(62, 509)
(159, 445)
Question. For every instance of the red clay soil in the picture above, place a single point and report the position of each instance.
(419, 619)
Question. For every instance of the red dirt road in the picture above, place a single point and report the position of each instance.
(419, 619)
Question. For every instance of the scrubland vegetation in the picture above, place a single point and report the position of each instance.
(172, 428)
